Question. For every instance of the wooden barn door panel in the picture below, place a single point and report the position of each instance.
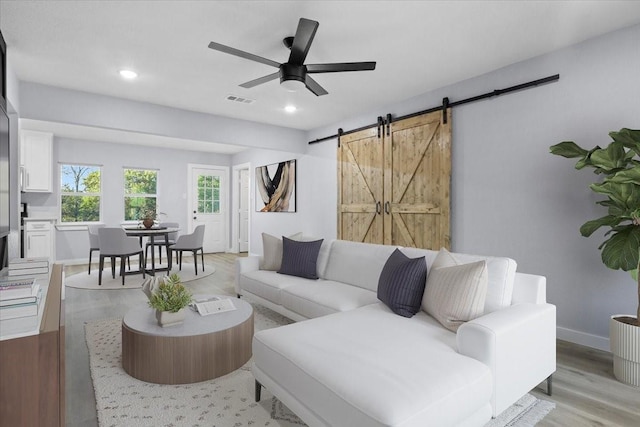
(360, 187)
(418, 158)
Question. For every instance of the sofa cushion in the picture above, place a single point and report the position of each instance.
(355, 368)
(323, 255)
(318, 298)
(267, 284)
(355, 263)
(401, 283)
(300, 258)
(272, 251)
(455, 294)
(501, 274)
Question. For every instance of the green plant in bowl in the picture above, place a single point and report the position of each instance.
(171, 295)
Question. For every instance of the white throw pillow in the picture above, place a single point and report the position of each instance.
(272, 251)
(455, 293)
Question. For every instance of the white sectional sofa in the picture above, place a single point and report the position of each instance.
(351, 361)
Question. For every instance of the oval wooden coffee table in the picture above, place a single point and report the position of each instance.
(201, 348)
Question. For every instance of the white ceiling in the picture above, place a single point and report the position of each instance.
(418, 46)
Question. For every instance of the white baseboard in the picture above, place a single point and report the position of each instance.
(583, 338)
(77, 261)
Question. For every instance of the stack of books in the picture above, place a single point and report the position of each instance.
(20, 268)
(19, 298)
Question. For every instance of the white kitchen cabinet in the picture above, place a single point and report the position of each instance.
(39, 240)
(36, 161)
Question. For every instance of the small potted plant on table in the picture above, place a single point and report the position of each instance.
(619, 165)
(169, 298)
(148, 218)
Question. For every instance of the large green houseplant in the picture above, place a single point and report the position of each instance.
(618, 164)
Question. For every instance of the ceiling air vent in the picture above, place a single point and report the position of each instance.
(240, 99)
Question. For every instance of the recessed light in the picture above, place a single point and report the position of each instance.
(290, 108)
(128, 74)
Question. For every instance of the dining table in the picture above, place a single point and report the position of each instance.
(152, 233)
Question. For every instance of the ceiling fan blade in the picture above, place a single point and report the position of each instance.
(242, 54)
(314, 87)
(261, 80)
(302, 40)
(340, 67)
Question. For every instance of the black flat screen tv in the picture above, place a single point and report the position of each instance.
(4, 174)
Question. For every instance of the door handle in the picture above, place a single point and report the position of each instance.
(386, 208)
(195, 217)
(378, 207)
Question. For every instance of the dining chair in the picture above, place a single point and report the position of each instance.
(94, 241)
(114, 243)
(171, 239)
(190, 242)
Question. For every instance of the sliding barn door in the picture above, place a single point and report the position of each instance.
(417, 156)
(394, 183)
(360, 187)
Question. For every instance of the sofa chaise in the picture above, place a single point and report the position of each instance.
(351, 361)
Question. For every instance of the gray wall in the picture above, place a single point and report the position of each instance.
(172, 184)
(283, 223)
(41, 102)
(13, 108)
(47, 103)
(510, 196)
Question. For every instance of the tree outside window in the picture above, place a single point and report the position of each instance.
(80, 193)
(140, 193)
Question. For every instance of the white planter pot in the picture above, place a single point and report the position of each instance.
(624, 340)
(167, 318)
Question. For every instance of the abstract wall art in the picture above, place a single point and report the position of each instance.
(276, 187)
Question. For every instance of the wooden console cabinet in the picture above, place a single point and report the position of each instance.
(32, 369)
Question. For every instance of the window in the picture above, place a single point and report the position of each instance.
(208, 194)
(140, 193)
(80, 193)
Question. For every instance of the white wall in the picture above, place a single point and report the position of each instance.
(510, 196)
(281, 223)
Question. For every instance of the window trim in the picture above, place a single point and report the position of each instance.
(68, 224)
(145, 195)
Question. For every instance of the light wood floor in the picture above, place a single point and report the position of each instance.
(584, 390)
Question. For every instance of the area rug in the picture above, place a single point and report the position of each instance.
(227, 401)
(90, 281)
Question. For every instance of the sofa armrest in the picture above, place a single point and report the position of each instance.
(517, 343)
(243, 265)
(529, 288)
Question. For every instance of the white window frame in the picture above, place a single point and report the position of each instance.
(145, 195)
(66, 193)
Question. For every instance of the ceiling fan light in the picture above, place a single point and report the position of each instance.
(292, 85)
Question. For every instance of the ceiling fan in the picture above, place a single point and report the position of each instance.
(294, 72)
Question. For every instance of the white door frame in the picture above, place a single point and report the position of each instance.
(235, 206)
(225, 169)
